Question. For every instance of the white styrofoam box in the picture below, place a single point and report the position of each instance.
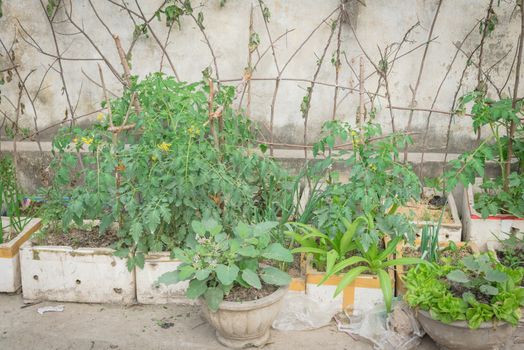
(148, 291)
(481, 231)
(361, 295)
(86, 275)
(10, 280)
(447, 231)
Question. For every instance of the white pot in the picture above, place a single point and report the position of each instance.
(481, 231)
(10, 280)
(244, 324)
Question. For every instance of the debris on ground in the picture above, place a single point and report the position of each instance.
(44, 309)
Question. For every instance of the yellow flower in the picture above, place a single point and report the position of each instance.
(100, 117)
(154, 158)
(75, 140)
(353, 133)
(164, 146)
(193, 131)
(373, 167)
(87, 140)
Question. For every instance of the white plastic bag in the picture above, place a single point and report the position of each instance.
(300, 312)
(399, 330)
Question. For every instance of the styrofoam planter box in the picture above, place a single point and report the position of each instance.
(86, 275)
(481, 231)
(361, 295)
(447, 231)
(10, 280)
(148, 291)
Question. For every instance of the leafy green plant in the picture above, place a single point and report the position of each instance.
(220, 260)
(429, 246)
(511, 250)
(503, 194)
(475, 289)
(10, 201)
(346, 251)
(166, 169)
(376, 184)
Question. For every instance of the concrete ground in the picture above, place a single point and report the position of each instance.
(144, 327)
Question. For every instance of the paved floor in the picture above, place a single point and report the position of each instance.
(144, 327)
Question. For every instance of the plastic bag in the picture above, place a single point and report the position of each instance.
(399, 330)
(301, 312)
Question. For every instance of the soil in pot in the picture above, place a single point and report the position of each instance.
(428, 208)
(76, 237)
(239, 293)
(458, 254)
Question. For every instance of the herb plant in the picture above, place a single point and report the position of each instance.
(220, 260)
(475, 289)
(503, 194)
(346, 251)
(10, 201)
(511, 250)
(377, 184)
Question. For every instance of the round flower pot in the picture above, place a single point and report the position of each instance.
(243, 324)
(457, 335)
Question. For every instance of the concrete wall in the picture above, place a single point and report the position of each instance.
(379, 25)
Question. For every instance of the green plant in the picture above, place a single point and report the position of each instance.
(376, 184)
(503, 194)
(511, 251)
(10, 201)
(346, 251)
(220, 260)
(429, 246)
(475, 289)
(170, 166)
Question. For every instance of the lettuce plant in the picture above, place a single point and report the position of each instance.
(475, 289)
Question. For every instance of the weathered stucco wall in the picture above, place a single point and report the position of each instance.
(380, 26)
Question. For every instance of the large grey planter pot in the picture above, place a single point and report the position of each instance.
(457, 335)
(243, 324)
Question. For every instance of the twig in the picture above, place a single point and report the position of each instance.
(514, 100)
(421, 69)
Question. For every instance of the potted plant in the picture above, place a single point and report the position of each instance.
(154, 169)
(492, 204)
(237, 277)
(15, 227)
(472, 303)
(430, 248)
(355, 258)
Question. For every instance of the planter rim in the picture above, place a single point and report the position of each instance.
(251, 304)
(463, 324)
(11, 248)
(474, 214)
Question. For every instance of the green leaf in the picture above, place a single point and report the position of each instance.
(198, 227)
(227, 274)
(496, 276)
(136, 231)
(349, 277)
(489, 290)
(341, 266)
(351, 229)
(308, 250)
(185, 272)
(140, 260)
(331, 259)
(252, 278)
(457, 276)
(248, 251)
(153, 220)
(387, 289)
(274, 276)
(214, 297)
(170, 277)
(202, 274)
(196, 288)
(276, 251)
